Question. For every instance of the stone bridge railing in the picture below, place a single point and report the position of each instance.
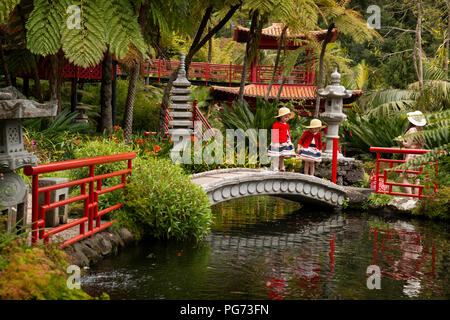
(226, 184)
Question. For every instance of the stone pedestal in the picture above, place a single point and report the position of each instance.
(59, 215)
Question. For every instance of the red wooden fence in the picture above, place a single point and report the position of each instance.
(88, 193)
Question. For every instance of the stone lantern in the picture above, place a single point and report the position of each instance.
(333, 115)
(82, 116)
(14, 107)
(181, 124)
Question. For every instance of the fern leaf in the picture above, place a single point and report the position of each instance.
(6, 7)
(84, 45)
(123, 30)
(44, 28)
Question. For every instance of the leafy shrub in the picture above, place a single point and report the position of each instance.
(162, 202)
(377, 200)
(435, 207)
(35, 273)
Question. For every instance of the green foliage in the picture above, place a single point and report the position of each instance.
(6, 7)
(44, 27)
(377, 200)
(53, 140)
(435, 207)
(359, 133)
(84, 45)
(102, 24)
(37, 273)
(122, 29)
(146, 107)
(162, 202)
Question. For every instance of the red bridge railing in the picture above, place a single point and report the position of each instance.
(89, 193)
(227, 73)
(381, 183)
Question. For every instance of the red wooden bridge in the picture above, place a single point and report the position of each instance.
(199, 73)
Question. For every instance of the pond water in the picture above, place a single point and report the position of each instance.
(270, 248)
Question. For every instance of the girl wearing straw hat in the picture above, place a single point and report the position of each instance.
(310, 146)
(416, 122)
(281, 146)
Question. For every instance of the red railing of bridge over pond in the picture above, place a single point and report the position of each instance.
(382, 184)
(89, 194)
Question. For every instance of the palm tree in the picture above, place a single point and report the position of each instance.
(347, 21)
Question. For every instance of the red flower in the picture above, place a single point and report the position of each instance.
(156, 148)
(116, 128)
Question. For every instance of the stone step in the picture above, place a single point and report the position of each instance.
(183, 106)
(180, 91)
(180, 123)
(180, 114)
(180, 132)
(176, 99)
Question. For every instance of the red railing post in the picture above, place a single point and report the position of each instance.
(34, 208)
(377, 174)
(334, 161)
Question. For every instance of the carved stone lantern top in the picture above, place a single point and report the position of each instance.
(335, 90)
(15, 106)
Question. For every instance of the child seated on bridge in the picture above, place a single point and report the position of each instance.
(281, 147)
(310, 146)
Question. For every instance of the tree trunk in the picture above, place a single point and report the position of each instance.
(37, 82)
(4, 65)
(106, 93)
(277, 60)
(247, 56)
(283, 81)
(197, 44)
(128, 117)
(53, 79)
(417, 52)
(447, 43)
(210, 47)
(134, 74)
(320, 79)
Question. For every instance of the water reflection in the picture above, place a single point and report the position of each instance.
(268, 248)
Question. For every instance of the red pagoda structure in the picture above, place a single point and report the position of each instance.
(299, 85)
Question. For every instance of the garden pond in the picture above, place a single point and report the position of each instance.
(271, 248)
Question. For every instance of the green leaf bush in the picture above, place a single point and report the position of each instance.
(161, 202)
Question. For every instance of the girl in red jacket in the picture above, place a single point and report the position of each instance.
(281, 146)
(310, 146)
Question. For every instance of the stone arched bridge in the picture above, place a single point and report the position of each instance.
(226, 184)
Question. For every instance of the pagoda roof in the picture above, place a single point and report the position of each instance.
(288, 92)
(271, 34)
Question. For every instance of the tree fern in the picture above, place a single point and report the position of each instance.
(84, 46)
(44, 27)
(123, 31)
(6, 7)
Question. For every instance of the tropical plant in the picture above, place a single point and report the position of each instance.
(162, 202)
(358, 133)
